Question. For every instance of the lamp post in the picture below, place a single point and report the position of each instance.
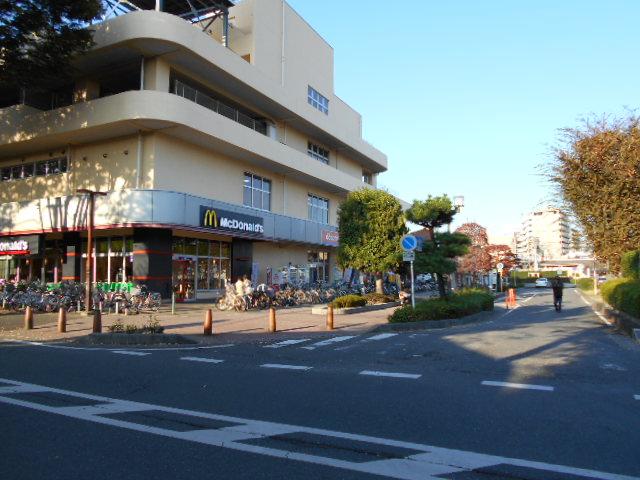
(91, 194)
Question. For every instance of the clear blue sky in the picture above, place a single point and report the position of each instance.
(466, 97)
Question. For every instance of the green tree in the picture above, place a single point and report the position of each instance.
(371, 225)
(439, 252)
(38, 39)
(596, 169)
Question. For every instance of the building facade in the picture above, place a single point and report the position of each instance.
(217, 137)
(545, 235)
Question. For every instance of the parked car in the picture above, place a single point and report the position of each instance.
(543, 283)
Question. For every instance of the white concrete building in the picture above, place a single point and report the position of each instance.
(544, 235)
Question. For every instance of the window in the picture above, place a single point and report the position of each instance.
(52, 166)
(318, 209)
(317, 152)
(367, 177)
(318, 101)
(256, 192)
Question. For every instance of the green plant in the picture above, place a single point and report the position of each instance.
(622, 294)
(378, 298)
(117, 327)
(153, 326)
(347, 301)
(130, 329)
(629, 266)
(462, 303)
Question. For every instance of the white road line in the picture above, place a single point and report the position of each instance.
(329, 341)
(285, 367)
(429, 460)
(99, 349)
(637, 397)
(128, 352)
(201, 359)
(600, 316)
(380, 336)
(374, 373)
(286, 343)
(518, 385)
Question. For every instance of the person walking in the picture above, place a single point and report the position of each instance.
(557, 286)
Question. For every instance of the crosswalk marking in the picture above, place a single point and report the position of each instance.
(424, 463)
(201, 359)
(374, 373)
(329, 341)
(286, 343)
(517, 385)
(380, 336)
(285, 367)
(129, 352)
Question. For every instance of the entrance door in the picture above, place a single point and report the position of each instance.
(184, 279)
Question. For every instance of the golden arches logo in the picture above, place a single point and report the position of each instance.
(210, 219)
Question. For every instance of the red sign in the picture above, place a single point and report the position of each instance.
(16, 247)
(330, 237)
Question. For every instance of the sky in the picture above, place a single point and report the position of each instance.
(467, 97)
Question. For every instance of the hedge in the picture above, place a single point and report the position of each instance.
(584, 283)
(347, 301)
(622, 294)
(463, 303)
(378, 298)
(629, 264)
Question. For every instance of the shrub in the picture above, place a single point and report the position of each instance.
(622, 294)
(463, 303)
(347, 301)
(117, 327)
(378, 298)
(629, 264)
(584, 283)
(153, 326)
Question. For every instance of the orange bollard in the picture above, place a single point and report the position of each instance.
(330, 317)
(208, 322)
(272, 320)
(97, 321)
(28, 319)
(62, 320)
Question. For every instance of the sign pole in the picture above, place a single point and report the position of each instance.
(413, 290)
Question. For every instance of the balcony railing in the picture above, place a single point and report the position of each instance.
(190, 93)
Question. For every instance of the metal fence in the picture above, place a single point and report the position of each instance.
(217, 106)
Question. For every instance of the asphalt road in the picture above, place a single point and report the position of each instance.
(531, 394)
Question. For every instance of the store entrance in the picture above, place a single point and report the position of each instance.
(184, 278)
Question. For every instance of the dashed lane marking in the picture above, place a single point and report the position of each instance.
(99, 349)
(409, 461)
(525, 386)
(329, 341)
(374, 373)
(286, 343)
(201, 359)
(285, 366)
(637, 397)
(129, 352)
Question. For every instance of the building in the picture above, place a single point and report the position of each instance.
(217, 136)
(544, 235)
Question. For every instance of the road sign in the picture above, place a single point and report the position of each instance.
(409, 256)
(408, 243)
(500, 266)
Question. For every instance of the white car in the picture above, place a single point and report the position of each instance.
(543, 283)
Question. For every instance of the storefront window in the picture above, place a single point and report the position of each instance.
(178, 245)
(211, 267)
(190, 246)
(225, 272)
(102, 245)
(102, 269)
(116, 268)
(203, 248)
(117, 244)
(225, 250)
(203, 274)
(214, 273)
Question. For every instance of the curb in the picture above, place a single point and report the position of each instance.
(134, 339)
(434, 324)
(351, 310)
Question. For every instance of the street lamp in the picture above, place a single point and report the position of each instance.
(458, 203)
(87, 272)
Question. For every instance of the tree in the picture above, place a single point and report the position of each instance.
(477, 260)
(476, 233)
(501, 254)
(38, 39)
(577, 245)
(440, 251)
(596, 169)
(371, 225)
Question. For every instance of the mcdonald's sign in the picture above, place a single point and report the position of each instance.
(225, 220)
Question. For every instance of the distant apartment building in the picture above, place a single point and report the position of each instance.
(544, 235)
(213, 128)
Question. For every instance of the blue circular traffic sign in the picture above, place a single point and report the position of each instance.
(409, 243)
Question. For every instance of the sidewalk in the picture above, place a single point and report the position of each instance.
(188, 321)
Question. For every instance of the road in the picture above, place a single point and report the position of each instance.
(530, 394)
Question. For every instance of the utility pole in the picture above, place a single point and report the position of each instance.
(91, 194)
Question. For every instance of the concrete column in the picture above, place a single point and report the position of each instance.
(156, 74)
(152, 259)
(72, 261)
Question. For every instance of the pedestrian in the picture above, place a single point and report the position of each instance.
(557, 287)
